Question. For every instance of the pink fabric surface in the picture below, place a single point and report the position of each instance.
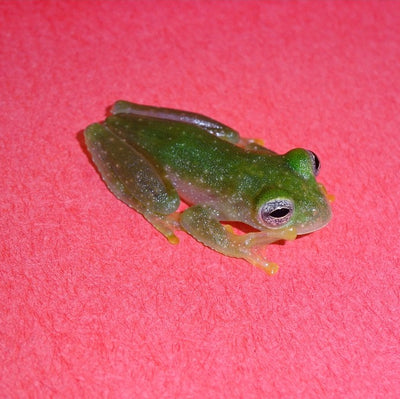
(95, 303)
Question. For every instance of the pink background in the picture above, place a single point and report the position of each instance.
(95, 303)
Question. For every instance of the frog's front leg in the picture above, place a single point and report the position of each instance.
(203, 223)
(134, 178)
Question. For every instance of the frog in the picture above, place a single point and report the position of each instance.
(156, 159)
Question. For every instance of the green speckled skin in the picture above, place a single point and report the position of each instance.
(150, 157)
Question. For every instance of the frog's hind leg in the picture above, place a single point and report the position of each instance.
(210, 125)
(134, 178)
(191, 118)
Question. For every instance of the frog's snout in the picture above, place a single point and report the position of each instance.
(317, 212)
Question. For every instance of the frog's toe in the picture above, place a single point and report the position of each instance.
(256, 256)
(166, 225)
(262, 263)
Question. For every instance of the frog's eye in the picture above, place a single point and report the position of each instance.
(315, 162)
(277, 212)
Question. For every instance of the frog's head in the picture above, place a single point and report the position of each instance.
(295, 199)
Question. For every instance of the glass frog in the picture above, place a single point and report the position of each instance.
(151, 158)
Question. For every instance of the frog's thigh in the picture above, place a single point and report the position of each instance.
(129, 174)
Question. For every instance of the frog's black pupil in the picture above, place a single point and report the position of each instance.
(316, 161)
(280, 213)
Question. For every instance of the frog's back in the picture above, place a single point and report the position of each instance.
(176, 145)
(195, 159)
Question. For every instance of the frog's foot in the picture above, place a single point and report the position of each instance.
(249, 246)
(166, 225)
(253, 255)
(260, 262)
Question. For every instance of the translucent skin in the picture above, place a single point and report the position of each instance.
(150, 158)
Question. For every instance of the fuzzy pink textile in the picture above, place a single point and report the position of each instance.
(94, 303)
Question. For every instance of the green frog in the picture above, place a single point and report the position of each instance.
(151, 158)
